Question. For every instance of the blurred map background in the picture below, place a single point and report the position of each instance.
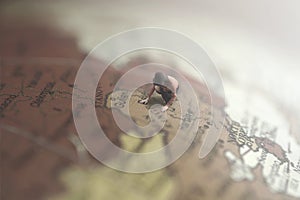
(255, 46)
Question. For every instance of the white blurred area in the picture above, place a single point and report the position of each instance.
(253, 43)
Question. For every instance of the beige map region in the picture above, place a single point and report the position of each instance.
(278, 152)
(221, 152)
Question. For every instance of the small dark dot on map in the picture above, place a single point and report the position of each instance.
(57, 109)
(71, 85)
(205, 126)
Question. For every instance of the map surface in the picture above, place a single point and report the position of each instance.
(256, 157)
